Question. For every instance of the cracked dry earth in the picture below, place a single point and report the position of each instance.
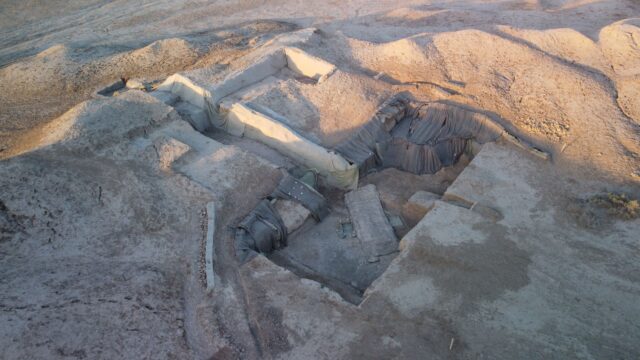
(522, 243)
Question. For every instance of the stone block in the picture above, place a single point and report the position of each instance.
(418, 205)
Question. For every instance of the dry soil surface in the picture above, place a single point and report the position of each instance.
(101, 241)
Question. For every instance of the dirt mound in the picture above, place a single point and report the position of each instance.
(518, 81)
(565, 44)
(498, 76)
(30, 91)
(326, 110)
(619, 42)
(39, 88)
(94, 124)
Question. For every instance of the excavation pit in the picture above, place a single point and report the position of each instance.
(406, 156)
(342, 227)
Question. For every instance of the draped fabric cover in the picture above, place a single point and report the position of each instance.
(291, 188)
(421, 140)
(263, 230)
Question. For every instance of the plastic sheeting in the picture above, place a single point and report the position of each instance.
(360, 149)
(420, 140)
(402, 154)
(434, 123)
(261, 231)
(291, 188)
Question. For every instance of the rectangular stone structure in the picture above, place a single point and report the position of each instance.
(372, 226)
(209, 246)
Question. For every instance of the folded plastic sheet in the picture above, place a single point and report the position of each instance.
(434, 123)
(402, 154)
(262, 231)
(422, 142)
(291, 188)
(360, 149)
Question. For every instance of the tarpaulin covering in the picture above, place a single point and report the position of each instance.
(261, 231)
(433, 123)
(422, 141)
(360, 148)
(291, 188)
(402, 154)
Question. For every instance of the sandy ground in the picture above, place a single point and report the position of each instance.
(101, 241)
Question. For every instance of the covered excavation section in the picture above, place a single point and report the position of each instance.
(345, 180)
(343, 203)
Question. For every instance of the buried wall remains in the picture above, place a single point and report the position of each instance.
(353, 244)
(342, 235)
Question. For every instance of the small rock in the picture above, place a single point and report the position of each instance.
(418, 205)
(373, 259)
(135, 84)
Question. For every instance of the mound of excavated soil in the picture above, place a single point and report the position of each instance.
(327, 110)
(37, 89)
(576, 109)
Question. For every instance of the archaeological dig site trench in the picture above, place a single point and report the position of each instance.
(320, 208)
(341, 207)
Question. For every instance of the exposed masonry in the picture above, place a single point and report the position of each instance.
(209, 248)
(412, 136)
(259, 123)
